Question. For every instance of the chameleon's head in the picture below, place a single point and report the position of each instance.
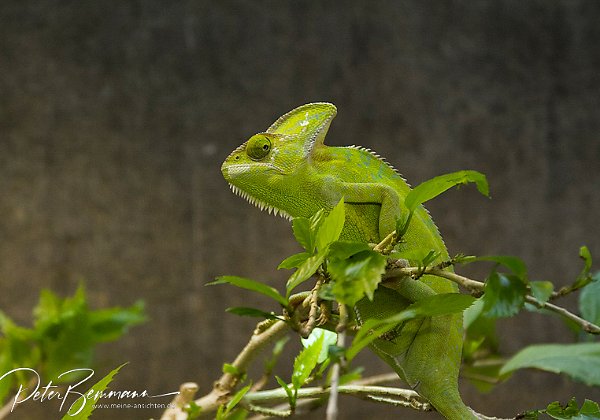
(262, 169)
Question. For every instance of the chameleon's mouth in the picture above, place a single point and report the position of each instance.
(259, 203)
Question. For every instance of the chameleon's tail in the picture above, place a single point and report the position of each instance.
(448, 403)
(425, 353)
(431, 364)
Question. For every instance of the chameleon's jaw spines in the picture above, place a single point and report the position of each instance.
(259, 203)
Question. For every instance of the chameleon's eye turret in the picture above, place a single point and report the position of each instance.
(258, 146)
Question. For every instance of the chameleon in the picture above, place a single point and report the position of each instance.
(288, 170)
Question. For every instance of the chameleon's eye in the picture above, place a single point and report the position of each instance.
(258, 147)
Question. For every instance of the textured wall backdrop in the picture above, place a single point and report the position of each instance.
(115, 117)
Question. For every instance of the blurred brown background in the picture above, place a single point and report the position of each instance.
(115, 117)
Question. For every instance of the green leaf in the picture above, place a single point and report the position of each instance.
(590, 409)
(236, 398)
(436, 305)
(351, 376)
(329, 339)
(251, 312)
(83, 407)
(345, 249)
(331, 227)
(557, 411)
(275, 354)
(435, 186)
(238, 414)
(294, 261)
(193, 410)
(581, 361)
(305, 362)
(421, 257)
(584, 277)
(231, 369)
(589, 301)
(303, 234)
(291, 395)
(484, 373)
(305, 271)
(481, 339)
(110, 324)
(541, 290)
(514, 264)
(357, 276)
(253, 285)
(504, 295)
(584, 253)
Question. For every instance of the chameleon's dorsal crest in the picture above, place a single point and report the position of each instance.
(309, 122)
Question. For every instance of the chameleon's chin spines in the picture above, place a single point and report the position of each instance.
(259, 203)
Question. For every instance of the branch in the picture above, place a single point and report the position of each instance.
(309, 404)
(395, 396)
(476, 288)
(265, 333)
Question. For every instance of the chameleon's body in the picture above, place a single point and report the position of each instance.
(288, 169)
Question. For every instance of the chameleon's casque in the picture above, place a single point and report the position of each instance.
(288, 170)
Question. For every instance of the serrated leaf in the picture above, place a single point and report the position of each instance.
(83, 407)
(436, 305)
(589, 301)
(305, 271)
(293, 261)
(331, 227)
(345, 249)
(541, 290)
(590, 409)
(329, 339)
(305, 362)
(504, 295)
(581, 361)
(357, 276)
(251, 312)
(436, 186)
(558, 411)
(253, 285)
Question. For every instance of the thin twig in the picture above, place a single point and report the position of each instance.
(278, 395)
(585, 325)
(476, 287)
(332, 404)
(310, 404)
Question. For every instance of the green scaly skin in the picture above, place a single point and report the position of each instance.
(289, 170)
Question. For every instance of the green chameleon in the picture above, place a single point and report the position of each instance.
(290, 171)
